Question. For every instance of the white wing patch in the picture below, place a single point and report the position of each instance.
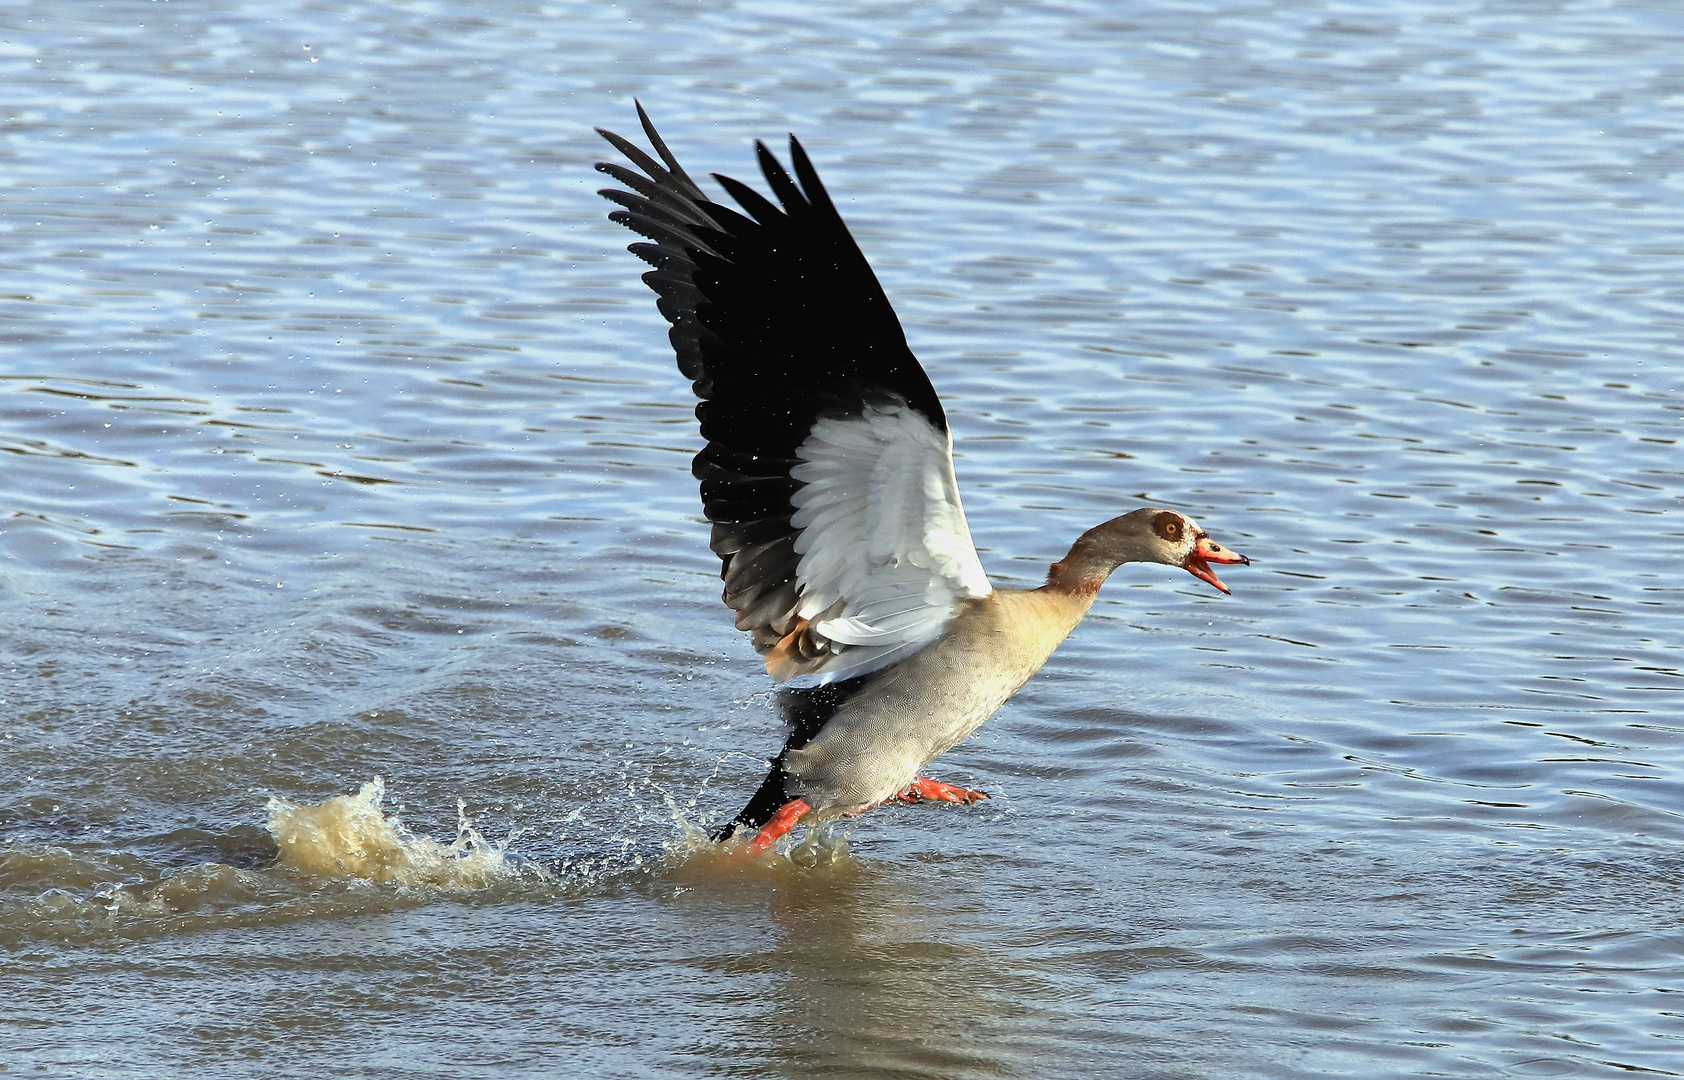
(885, 550)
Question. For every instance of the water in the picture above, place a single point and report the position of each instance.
(344, 443)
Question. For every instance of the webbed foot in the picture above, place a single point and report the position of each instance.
(923, 789)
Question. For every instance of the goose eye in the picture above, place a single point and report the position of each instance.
(1171, 530)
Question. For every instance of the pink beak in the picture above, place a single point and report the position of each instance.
(1206, 551)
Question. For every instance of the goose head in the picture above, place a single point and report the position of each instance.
(1150, 534)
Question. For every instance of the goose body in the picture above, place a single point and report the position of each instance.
(879, 739)
(828, 476)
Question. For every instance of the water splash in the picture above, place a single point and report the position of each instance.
(819, 844)
(350, 836)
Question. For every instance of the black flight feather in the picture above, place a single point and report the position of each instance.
(778, 320)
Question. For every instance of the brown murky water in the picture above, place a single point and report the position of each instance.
(343, 444)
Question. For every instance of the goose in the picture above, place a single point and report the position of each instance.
(828, 477)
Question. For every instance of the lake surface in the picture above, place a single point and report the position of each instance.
(344, 443)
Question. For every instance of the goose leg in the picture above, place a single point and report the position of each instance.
(923, 789)
(782, 821)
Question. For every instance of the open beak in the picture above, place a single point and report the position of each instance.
(1206, 551)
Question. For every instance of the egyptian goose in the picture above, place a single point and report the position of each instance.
(828, 476)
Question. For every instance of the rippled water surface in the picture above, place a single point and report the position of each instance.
(343, 442)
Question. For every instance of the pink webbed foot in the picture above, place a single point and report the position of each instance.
(782, 821)
(924, 789)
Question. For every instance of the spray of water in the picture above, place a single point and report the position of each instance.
(351, 836)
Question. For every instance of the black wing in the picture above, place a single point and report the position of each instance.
(779, 321)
